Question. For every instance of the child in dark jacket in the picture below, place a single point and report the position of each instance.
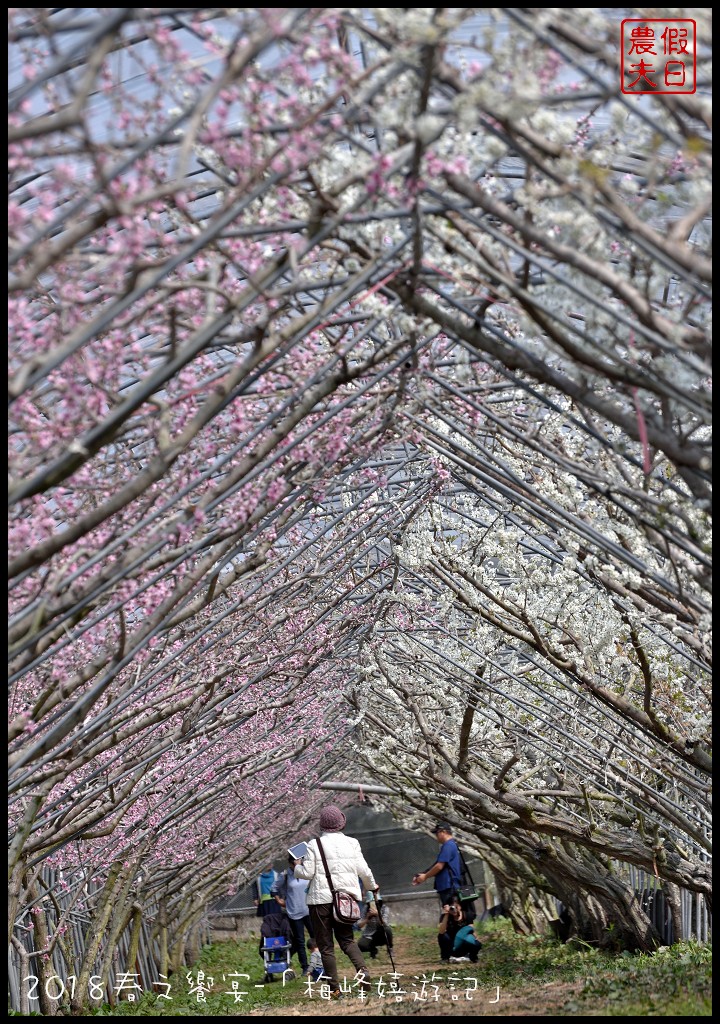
(273, 925)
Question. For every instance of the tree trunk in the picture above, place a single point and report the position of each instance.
(603, 909)
(93, 940)
(15, 886)
(43, 968)
(24, 976)
(120, 921)
(185, 926)
(192, 946)
(672, 898)
(162, 922)
(131, 964)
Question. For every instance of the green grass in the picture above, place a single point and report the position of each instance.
(675, 981)
(218, 962)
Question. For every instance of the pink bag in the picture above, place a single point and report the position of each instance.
(345, 907)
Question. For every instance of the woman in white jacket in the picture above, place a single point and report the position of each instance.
(346, 865)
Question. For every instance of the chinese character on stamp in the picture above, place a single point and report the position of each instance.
(658, 55)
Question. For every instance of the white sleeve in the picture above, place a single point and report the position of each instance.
(307, 867)
(363, 869)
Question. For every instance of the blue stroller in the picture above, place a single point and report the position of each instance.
(276, 947)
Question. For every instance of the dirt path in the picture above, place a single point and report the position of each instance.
(423, 986)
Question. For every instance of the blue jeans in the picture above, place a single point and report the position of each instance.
(298, 929)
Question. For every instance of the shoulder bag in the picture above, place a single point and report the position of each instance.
(467, 891)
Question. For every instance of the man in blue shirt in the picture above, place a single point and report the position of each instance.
(447, 869)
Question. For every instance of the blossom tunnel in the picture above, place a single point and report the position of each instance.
(359, 430)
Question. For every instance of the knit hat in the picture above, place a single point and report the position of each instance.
(332, 819)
